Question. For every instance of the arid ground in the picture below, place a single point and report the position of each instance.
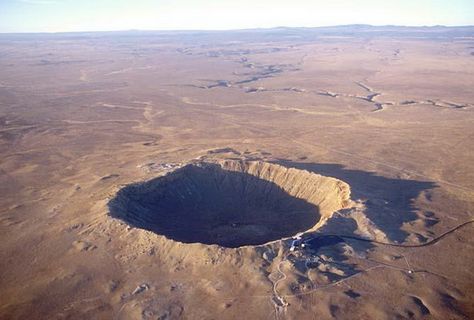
(162, 175)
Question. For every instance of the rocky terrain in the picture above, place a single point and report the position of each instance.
(284, 173)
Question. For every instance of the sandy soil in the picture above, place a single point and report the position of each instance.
(388, 113)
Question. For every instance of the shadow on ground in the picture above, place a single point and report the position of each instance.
(389, 202)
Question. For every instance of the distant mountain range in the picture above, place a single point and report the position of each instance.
(354, 30)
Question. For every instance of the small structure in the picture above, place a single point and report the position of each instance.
(312, 262)
(297, 242)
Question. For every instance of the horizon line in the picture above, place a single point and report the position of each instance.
(237, 29)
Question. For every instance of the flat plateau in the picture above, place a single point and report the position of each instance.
(93, 127)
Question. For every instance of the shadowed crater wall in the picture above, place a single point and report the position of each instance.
(230, 203)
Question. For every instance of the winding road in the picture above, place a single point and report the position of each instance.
(277, 297)
(425, 244)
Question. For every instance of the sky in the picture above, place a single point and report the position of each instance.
(108, 15)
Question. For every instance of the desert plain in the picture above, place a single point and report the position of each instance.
(164, 175)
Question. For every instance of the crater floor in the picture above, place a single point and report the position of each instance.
(230, 203)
